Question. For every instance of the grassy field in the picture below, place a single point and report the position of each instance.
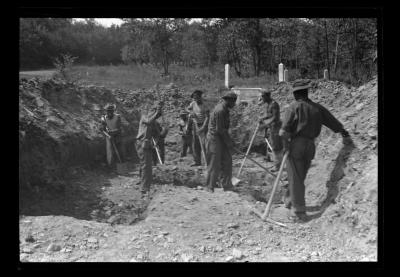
(138, 77)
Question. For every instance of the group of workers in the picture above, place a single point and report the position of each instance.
(206, 134)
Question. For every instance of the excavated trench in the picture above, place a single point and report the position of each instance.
(63, 172)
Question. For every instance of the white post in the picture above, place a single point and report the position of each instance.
(227, 75)
(286, 76)
(280, 68)
(326, 74)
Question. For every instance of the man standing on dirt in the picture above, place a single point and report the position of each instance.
(199, 113)
(111, 124)
(219, 144)
(301, 125)
(159, 137)
(271, 122)
(144, 145)
(185, 129)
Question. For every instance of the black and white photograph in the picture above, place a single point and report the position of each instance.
(199, 139)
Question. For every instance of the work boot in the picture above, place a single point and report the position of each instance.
(297, 217)
(230, 188)
(267, 159)
(209, 189)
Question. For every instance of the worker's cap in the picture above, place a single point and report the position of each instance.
(230, 95)
(266, 91)
(301, 84)
(199, 92)
(110, 107)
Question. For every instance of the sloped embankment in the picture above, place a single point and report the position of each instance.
(59, 129)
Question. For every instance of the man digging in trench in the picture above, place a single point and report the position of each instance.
(199, 114)
(301, 125)
(219, 144)
(271, 122)
(111, 124)
(144, 145)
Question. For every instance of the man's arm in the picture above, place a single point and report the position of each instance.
(103, 127)
(205, 123)
(286, 130)
(189, 109)
(274, 116)
(331, 122)
(149, 119)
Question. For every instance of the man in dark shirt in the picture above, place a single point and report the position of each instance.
(144, 145)
(301, 125)
(111, 124)
(219, 144)
(271, 121)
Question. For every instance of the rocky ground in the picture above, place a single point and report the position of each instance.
(93, 214)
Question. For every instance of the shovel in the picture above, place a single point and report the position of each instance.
(122, 168)
(236, 180)
(108, 148)
(265, 215)
(248, 150)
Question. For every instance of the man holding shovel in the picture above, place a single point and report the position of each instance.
(111, 125)
(199, 115)
(301, 125)
(270, 121)
(144, 145)
(159, 137)
(219, 145)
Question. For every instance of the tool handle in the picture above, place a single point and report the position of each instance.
(269, 205)
(116, 151)
(106, 134)
(158, 153)
(248, 149)
(201, 145)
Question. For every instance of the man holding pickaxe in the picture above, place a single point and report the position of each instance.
(271, 122)
(219, 144)
(111, 126)
(145, 143)
(301, 125)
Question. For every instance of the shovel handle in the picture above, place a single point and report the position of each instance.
(248, 149)
(158, 153)
(268, 208)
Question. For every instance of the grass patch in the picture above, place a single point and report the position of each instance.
(133, 77)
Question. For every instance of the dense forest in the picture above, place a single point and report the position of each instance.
(252, 46)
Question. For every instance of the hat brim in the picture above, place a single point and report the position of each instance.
(301, 87)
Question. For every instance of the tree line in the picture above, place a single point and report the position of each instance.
(347, 47)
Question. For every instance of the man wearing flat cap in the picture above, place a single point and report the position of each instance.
(219, 144)
(301, 125)
(144, 144)
(199, 114)
(111, 124)
(270, 121)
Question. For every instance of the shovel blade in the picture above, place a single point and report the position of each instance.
(235, 181)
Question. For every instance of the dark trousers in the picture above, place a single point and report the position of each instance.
(301, 153)
(219, 162)
(197, 139)
(145, 153)
(186, 144)
(117, 140)
(272, 134)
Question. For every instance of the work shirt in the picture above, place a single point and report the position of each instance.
(200, 111)
(148, 129)
(272, 111)
(304, 118)
(113, 124)
(218, 125)
(159, 133)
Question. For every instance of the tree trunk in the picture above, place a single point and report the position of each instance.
(336, 51)
(327, 50)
